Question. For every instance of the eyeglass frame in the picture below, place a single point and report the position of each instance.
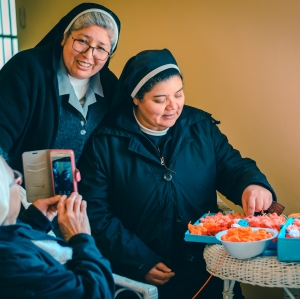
(17, 176)
(93, 48)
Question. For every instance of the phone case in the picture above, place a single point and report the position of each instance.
(66, 165)
(37, 175)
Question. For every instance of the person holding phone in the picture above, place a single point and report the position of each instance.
(37, 265)
(153, 169)
(54, 95)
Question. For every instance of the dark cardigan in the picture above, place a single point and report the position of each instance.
(29, 111)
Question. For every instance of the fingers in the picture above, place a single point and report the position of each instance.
(43, 203)
(245, 208)
(268, 202)
(256, 198)
(61, 207)
(51, 200)
(77, 175)
(77, 203)
(162, 267)
(46, 205)
(52, 209)
(249, 206)
(51, 213)
(73, 202)
(157, 277)
(161, 280)
(72, 217)
(83, 206)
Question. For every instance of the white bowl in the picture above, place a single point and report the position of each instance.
(243, 250)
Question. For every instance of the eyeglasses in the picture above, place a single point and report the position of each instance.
(18, 178)
(82, 46)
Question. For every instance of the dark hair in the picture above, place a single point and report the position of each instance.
(161, 76)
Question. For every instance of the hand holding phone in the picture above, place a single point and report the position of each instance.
(48, 206)
(64, 173)
(72, 216)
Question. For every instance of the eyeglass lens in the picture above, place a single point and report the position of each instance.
(83, 47)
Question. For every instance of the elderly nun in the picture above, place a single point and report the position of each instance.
(54, 95)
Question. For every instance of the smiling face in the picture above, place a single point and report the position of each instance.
(162, 106)
(84, 65)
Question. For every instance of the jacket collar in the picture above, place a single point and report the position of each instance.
(124, 119)
(188, 117)
(191, 115)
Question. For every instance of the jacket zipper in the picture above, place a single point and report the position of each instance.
(162, 161)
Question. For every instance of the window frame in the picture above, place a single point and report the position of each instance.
(8, 31)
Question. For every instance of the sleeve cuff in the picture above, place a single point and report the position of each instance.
(81, 238)
(35, 218)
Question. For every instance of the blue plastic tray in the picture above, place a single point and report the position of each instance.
(201, 238)
(288, 248)
(212, 240)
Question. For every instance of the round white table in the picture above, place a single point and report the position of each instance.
(264, 271)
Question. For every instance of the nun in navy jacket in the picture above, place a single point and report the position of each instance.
(142, 189)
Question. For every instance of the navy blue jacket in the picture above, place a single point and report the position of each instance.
(139, 209)
(27, 271)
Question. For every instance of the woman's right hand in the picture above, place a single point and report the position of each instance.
(159, 274)
(72, 217)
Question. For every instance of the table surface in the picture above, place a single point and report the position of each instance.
(264, 271)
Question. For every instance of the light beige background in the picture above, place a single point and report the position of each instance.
(240, 60)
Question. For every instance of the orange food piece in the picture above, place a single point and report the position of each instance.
(245, 234)
(197, 229)
(212, 224)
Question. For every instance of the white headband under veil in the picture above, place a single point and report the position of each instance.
(4, 191)
(102, 12)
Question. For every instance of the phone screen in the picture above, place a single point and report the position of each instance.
(62, 175)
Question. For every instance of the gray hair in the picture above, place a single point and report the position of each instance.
(100, 19)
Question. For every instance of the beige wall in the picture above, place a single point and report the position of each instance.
(240, 60)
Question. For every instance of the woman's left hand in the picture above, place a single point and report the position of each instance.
(48, 206)
(256, 198)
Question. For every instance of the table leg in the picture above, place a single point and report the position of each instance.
(228, 289)
(289, 293)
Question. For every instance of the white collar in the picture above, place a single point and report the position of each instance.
(150, 131)
(78, 82)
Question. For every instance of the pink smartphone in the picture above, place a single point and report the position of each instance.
(63, 171)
